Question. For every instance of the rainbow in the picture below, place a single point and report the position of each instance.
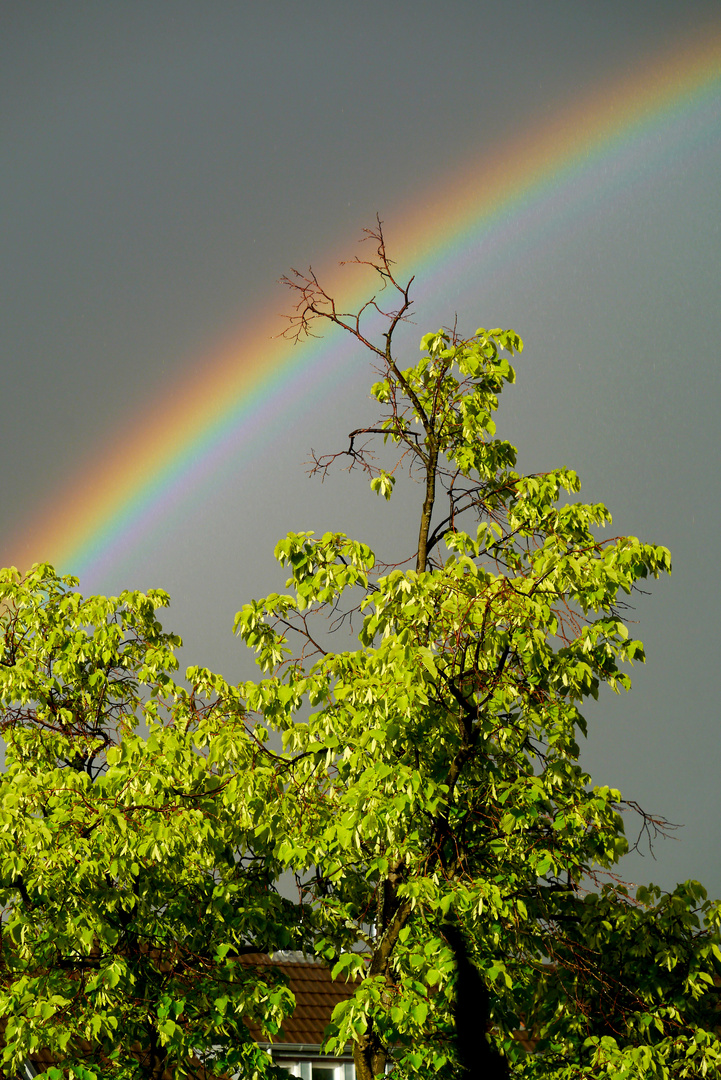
(235, 396)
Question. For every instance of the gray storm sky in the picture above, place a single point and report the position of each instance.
(163, 164)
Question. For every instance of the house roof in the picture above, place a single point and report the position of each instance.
(316, 995)
(315, 992)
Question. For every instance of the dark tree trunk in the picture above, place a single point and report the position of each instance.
(472, 1015)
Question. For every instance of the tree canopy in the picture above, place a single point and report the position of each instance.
(420, 784)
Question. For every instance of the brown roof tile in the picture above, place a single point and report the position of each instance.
(316, 995)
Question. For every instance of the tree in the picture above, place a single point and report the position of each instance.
(130, 879)
(423, 784)
(437, 778)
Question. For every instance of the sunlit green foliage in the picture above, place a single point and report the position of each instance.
(427, 772)
(130, 875)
